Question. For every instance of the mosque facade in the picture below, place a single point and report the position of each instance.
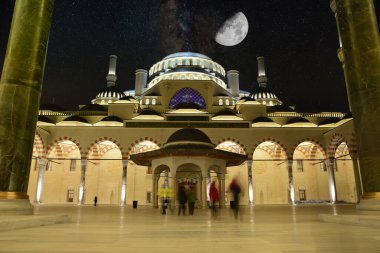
(187, 123)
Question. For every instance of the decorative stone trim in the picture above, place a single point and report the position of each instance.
(277, 153)
(57, 146)
(236, 141)
(314, 149)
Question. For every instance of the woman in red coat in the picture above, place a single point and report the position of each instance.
(214, 197)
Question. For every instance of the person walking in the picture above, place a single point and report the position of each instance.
(214, 197)
(182, 199)
(95, 200)
(191, 198)
(235, 190)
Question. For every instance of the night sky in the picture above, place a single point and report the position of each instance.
(298, 39)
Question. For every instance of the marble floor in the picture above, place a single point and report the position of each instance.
(270, 229)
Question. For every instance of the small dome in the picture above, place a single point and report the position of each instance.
(297, 120)
(280, 108)
(76, 118)
(265, 96)
(189, 137)
(52, 107)
(110, 92)
(44, 119)
(149, 111)
(112, 118)
(187, 105)
(93, 107)
(332, 120)
(262, 119)
(225, 112)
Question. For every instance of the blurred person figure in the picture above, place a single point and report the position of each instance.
(191, 198)
(214, 197)
(182, 199)
(235, 190)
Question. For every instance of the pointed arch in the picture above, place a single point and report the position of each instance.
(280, 148)
(60, 150)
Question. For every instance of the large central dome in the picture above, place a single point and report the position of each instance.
(187, 54)
(187, 66)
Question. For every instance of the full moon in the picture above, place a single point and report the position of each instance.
(233, 31)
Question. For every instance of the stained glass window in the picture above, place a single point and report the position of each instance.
(187, 95)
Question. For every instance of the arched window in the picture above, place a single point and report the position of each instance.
(220, 101)
(187, 95)
(153, 101)
(227, 102)
(147, 101)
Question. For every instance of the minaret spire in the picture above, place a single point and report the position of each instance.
(111, 77)
(261, 78)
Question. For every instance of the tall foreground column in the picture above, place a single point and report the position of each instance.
(20, 89)
(360, 39)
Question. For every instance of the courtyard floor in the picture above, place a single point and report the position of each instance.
(271, 229)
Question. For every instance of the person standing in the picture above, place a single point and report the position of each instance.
(182, 200)
(95, 200)
(214, 197)
(191, 198)
(235, 190)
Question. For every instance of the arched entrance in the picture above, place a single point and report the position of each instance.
(310, 174)
(270, 174)
(344, 175)
(62, 175)
(103, 174)
(190, 176)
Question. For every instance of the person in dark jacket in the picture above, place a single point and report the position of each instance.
(191, 198)
(235, 190)
(95, 200)
(182, 199)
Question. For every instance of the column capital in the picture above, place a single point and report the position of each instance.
(83, 162)
(333, 6)
(125, 162)
(42, 161)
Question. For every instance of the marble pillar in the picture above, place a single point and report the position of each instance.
(250, 183)
(124, 183)
(222, 190)
(156, 177)
(42, 163)
(20, 90)
(359, 33)
(204, 190)
(291, 182)
(82, 183)
(332, 184)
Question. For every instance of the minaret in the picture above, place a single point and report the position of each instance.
(261, 78)
(111, 77)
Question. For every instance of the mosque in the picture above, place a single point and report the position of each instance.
(188, 123)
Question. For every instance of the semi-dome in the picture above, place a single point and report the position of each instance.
(149, 111)
(262, 120)
(189, 137)
(225, 112)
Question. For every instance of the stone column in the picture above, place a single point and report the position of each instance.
(204, 190)
(156, 177)
(222, 190)
(358, 181)
(20, 90)
(359, 32)
(42, 163)
(124, 183)
(332, 185)
(291, 182)
(82, 187)
(175, 190)
(250, 182)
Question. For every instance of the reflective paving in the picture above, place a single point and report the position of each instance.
(258, 229)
